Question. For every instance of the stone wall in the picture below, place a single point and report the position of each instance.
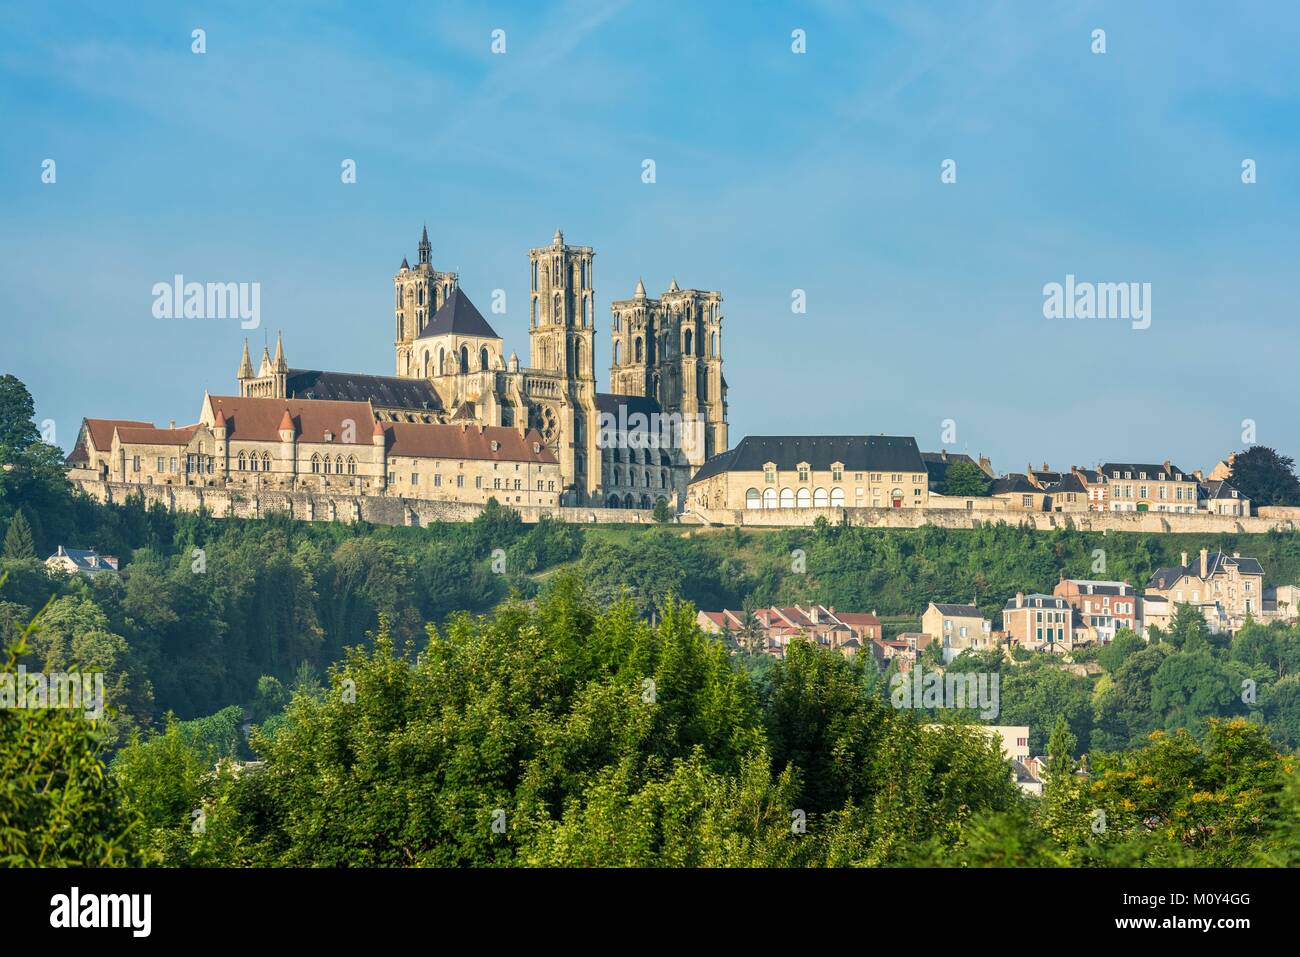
(321, 507)
(1148, 522)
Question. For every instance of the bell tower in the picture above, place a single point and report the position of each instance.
(562, 309)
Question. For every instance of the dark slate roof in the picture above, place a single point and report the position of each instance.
(958, 611)
(1165, 577)
(937, 464)
(389, 392)
(858, 453)
(458, 316)
(611, 404)
(1048, 601)
(1134, 468)
(1069, 483)
(1045, 478)
(1015, 482)
(1219, 489)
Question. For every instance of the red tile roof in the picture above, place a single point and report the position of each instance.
(101, 430)
(151, 436)
(257, 419)
(423, 440)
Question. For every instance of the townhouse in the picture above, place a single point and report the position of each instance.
(957, 628)
(1103, 606)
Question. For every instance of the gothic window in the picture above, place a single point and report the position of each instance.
(617, 476)
(687, 348)
(338, 465)
(352, 465)
(442, 362)
(577, 356)
(315, 463)
(618, 352)
(713, 346)
(328, 467)
(638, 349)
(464, 358)
(242, 462)
(534, 275)
(559, 309)
(483, 358)
(266, 461)
(419, 298)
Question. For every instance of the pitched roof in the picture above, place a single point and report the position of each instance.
(388, 392)
(458, 316)
(150, 436)
(101, 430)
(257, 419)
(1015, 482)
(1215, 562)
(957, 611)
(1135, 468)
(435, 441)
(858, 453)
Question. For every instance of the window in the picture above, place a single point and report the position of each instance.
(243, 462)
(315, 462)
(837, 498)
(769, 498)
(352, 465)
(752, 498)
(415, 476)
(173, 463)
(162, 463)
(787, 498)
(837, 473)
(266, 462)
(804, 498)
(135, 464)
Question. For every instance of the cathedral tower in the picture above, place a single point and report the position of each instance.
(561, 325)
(419, 292)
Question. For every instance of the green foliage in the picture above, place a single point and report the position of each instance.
(18, 539)
(1265, 477)
(965, 478)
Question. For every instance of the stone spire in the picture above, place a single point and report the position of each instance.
(280, 365)
(245, 364)
(264, 369)
(426, 251)
(559, 237)
(673, 287)
(640, 290)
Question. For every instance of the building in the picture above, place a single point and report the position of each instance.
(451, 367)
(906, 647)
(774, 628)
(1227, 589)
(1157, 612)
(1219, 498)
(1017, 492)
(325, 445)
(814, 471)
(1104, 606)
(1137, 487)
(957, 628)
(1043, 623)
(81, 561)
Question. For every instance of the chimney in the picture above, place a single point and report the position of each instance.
(1205, 560)
(1183, 559)
(171, 424)
(1020, 599)
(943, 455)
(1236, 554)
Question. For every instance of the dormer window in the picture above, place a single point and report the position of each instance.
(803, 471)
(837, 471)
(495, 445)
(769, 472)
(329, 436)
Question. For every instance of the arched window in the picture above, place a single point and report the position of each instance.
(686, 349)
(559, 308)
(752, 499)
(266, 461)
(328, 465)
(618, 353)
(638, 348)
(769, 498)
(804, 498)
(577, 356)
(242, 462)
(338, 464)
(352, 465)
(442, 362)
(426, 365)
(628, 501)
(315, 463)
(419, 296)
(820, 499)
(837, 498)
(618, 480)
(713, 345)
(483, 358)
(464, 358)
(787, 498)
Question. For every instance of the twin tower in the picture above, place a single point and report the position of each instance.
(668, 349)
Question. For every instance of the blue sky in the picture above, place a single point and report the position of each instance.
(775, 172)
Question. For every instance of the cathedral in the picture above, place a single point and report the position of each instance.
(665, 413)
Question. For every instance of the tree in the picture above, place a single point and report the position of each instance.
(18, 539)
(17, 410)
(1265, 477)
(965, 478)
(1060, 748)
(662, 513)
